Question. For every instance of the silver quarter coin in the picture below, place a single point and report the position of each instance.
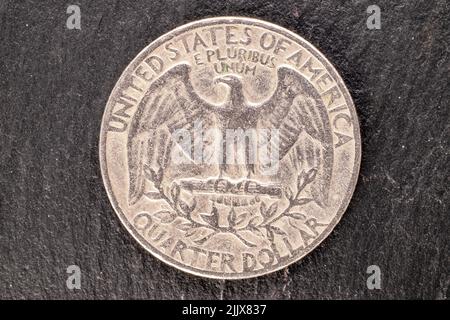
(230, 148)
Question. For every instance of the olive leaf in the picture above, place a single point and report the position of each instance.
(211, 218)
(288, 193)
(204, 239)
(270, 235)
(175, 192)
(277, 230)
(236, 218)
(296, 215)
(272, 209)
(301, 181)
(263, 208)
(199, 235)
(301, 201)
(182, 224)
(255, 221)
(165, 216)
(304, 178)
(186, 208)
(192, 232)
(159, 174)
(193, 206)
(257, 231)
(268, 212)
(311, 174)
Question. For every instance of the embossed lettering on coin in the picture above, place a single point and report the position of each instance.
(230, 147)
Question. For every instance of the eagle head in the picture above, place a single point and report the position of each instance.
(236, 96)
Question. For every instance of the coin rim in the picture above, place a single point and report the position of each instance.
(251, 22)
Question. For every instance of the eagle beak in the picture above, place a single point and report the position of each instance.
(223, 79)
(218, 80)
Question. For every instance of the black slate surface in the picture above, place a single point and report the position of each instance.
(54, 211)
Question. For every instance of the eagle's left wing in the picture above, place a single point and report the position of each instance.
(297, 111)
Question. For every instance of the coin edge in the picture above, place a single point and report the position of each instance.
(356, 131)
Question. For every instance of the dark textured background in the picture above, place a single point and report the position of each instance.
(54, 211)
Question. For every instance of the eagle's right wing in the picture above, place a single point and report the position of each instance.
(170, 104)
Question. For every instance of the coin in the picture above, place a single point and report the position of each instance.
(230, 148)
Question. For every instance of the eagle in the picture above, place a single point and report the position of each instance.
(295, 109)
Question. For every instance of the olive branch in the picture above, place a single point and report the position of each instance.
(242, 225)
(198, 233)
(264, 224)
